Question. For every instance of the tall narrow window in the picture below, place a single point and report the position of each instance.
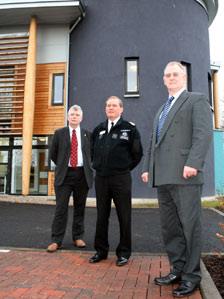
(132, 76)
(57, 89)
(188, 73)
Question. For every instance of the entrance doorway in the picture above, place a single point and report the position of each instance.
(11, 166)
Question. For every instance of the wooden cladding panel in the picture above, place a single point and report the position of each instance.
(11, 99)
(51, 183)
(47, 118)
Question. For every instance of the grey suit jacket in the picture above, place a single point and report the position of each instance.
(60, 154)
(184, 141)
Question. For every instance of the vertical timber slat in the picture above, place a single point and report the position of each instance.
(28, 112)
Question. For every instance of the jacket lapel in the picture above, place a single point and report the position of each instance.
(67, 137)
(83, 139)
(155, 124)
(179, 102)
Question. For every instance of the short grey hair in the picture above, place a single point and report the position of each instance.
(75, 108)
(179, 64)
(116, 98)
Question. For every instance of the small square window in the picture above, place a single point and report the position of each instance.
(132, 76)
(57, 89)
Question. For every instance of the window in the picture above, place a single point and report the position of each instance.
(57, 97)
(132, 77)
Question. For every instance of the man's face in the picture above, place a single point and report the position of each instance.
(113, 109)
(174, 78)
(74, 118)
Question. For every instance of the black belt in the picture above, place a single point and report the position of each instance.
(75, 168)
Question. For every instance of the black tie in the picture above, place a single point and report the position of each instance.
(112, 124)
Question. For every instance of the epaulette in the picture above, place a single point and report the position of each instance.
(130, 122)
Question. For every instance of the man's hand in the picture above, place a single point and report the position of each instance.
(189, 172)
(145, 177)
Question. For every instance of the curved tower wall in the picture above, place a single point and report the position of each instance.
(156, 32)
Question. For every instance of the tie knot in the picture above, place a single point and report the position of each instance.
(73, 131)
(112, 124)
(170, 99)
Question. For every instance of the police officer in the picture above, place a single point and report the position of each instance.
(116, 150)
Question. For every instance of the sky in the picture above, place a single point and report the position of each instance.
(216, 37)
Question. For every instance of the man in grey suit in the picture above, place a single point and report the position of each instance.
(70, 151)
(182, 132)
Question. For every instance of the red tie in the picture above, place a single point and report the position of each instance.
(74, 150)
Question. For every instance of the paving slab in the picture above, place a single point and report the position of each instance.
(32, 273)
(68, 275)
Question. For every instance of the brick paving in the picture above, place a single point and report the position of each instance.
(65, 274)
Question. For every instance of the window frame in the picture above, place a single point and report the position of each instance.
(52, 89)
(127, 92)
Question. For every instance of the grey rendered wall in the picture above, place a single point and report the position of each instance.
(156, 32)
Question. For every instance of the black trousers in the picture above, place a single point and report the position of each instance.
(118, 188)
(180, 211)
(74, 182)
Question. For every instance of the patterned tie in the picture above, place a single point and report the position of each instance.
(163, 117)
(74, 150)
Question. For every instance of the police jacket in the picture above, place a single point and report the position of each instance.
(118, 151)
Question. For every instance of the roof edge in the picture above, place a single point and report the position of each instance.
(211, 7)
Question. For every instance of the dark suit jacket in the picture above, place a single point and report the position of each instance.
(184, 141)
(60, 154)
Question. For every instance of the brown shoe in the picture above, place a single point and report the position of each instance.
(79, 243)
(53, 247)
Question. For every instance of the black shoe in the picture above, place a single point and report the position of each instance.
(168, 279)
(185, 289)
(97, 258)
(121, 261)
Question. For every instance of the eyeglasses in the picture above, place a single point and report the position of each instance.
(175, 75)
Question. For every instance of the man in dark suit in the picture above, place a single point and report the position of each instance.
(182, 132)
(117, 150)
(70, 151)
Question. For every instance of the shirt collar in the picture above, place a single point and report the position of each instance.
(114, 121)
(76, 129)
(177, 94)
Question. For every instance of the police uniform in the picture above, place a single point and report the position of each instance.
(115, 154)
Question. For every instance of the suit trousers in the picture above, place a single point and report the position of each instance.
(118, 188)
(74, 183)
(180, 212)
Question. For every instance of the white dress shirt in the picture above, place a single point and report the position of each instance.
(78, 135)
(114, 122)
(176, 96)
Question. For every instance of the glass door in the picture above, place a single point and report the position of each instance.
(16, 172)
(3, 171)
(38, 173)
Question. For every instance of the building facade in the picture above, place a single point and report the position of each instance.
(34, 59)
(57, 53)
